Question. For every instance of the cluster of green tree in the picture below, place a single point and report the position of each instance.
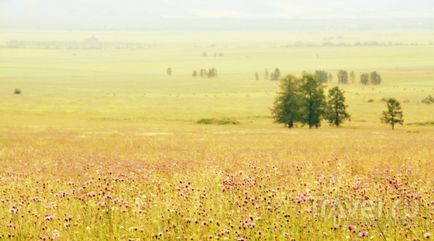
(302, 100)
(204, 73)
(275, 75)
(373, 78)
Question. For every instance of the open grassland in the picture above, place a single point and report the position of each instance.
(132, 85)
(102, 145)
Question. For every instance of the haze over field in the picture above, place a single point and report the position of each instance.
(231, 120)
(213, 14)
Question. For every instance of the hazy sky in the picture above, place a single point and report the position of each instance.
(148, 13)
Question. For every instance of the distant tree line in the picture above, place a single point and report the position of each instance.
(354, 44)
(275, 75)
(205, 73)
(205, 54)
(372, 78)
(322, 76)
(343, 77)
(89, 43)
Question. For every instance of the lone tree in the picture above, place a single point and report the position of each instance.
(266, 74)
(257, 76)
(169, 71)
(393, 115)
(275, 75)
(321, 76)
(352, 77)
(343, 77)
(336, 112)
(375, 78)
(313, 101)
(364, 79)
(194, 73)
(286, 108)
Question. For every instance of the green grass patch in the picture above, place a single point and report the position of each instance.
(214, 121)
(426, 123)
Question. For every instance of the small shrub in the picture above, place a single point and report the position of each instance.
(370, 100)
(214, 121)
(17, 91)
(428, 100)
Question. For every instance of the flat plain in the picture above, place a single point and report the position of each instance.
(103, 145)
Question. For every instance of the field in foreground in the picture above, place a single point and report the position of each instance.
(102, 145)
(301, 185)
